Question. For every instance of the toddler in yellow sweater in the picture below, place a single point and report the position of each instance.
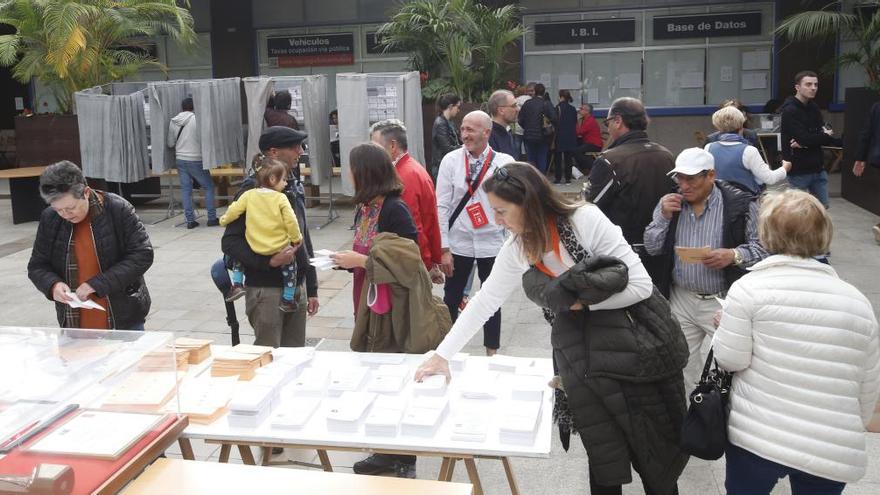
(270, 226)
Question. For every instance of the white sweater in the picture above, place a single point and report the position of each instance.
(594, 232)
(804, 346)
(754, 163)
(183, 135)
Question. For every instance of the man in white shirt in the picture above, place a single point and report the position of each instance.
(468, 232)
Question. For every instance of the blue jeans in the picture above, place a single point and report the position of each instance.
(220, 275)
(815, 184)
(750, 474)
(137, 326)
(189, 171)
(536, 153)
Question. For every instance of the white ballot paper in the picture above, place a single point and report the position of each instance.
(311, 382)
(470, 425)
(344, 413)
(322, 260)
(519, 422)
(294, 414)
(97, 434)
(431, 385)
(88, 303)
(385, 416)
(424, 416)
(480, 385)
(347, 380)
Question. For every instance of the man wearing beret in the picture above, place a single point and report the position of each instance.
(263, 273)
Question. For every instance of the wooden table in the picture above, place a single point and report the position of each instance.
(24, 190)
(208, 478)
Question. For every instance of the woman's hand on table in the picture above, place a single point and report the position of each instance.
(434, 365)
(349, 259)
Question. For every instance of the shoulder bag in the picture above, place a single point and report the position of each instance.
(704, 431)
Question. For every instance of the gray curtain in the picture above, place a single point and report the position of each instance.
(257, 91)
(354, 121)
(218, 110)
(317, 124)
(113, 135)
(165, 98)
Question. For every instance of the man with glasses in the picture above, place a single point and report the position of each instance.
(468, 232)
(704, 235)
(629, 177)
(503, 109)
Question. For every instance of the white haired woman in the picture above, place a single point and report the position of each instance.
(805, 351)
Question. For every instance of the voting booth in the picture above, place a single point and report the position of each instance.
(364, 99)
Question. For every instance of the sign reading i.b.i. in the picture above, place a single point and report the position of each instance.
(669, 27)
(312, 50)
(599, 31)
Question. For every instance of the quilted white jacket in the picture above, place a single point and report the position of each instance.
(804, 346)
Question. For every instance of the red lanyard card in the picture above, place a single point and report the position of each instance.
(477, 214)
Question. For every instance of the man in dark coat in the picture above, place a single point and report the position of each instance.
(868, 151)
(566, 137)
(531, 118)
(503, 110)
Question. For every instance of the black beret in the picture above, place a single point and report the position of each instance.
(280, 137)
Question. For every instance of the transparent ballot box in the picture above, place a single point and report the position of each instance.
(78, 405)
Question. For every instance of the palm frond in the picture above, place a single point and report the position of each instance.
(816, 24)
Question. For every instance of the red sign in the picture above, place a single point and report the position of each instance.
(315, 60)
(312, 50)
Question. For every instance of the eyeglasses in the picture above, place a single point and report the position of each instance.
(609, 119)
(679, 178)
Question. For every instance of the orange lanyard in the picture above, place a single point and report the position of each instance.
(554, 240)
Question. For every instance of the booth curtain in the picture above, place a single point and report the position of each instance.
(113, 135)
(165, 99)
(354, 120)
(257, 91)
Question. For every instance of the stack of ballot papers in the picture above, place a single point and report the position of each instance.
(251, 405)
(264, 352)
(347, 380)
(385, 416)
(423, 416)
(289, 366)
(344, 413)
(434, 385)
(389, 379)
(507, 363)
(528, 387)
(372, 360)
(231, 363)
(161, 360)
(203, 398)
(199, 349)
(458, 361)
(76, 302)
(142, 392)
(470, 425)
(478, 385)
(311, 382)
(518, 423)
(295, 414)
(322, 259)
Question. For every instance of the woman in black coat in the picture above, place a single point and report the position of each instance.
(566, 136)
(531, 118)
(444, 135)
(90, 245)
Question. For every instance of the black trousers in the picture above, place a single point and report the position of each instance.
(562, 162)
(454, 291)
(618, 489)
(584, 162)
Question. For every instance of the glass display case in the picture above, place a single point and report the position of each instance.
(79, 408)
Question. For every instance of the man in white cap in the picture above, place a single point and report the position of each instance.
(707, 234)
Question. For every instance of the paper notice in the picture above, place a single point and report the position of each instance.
(726, 73)
(753, 80)
(545, 79)
(88, 303)
(569, 81)
(692, 254)
(593, 95)
(756, 60)
(691, 80)
(629, 80)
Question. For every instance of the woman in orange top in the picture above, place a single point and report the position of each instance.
(90, 245)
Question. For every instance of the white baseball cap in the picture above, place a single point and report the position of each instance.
(692, 161)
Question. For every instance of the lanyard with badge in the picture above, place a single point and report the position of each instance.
(475, 211)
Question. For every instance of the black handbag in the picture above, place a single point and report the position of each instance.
(704, 431)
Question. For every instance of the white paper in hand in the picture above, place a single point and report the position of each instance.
(75, 302)
(322, 260)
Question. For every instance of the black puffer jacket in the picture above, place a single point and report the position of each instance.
(124, 253)
(444, 138)
(622, 372)
(531, 119)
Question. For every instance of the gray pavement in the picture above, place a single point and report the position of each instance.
(186, 302)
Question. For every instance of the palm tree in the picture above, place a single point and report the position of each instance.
(459, 43)
(831, 23)
(75, 44)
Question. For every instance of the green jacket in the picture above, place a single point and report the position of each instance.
(418, 320)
